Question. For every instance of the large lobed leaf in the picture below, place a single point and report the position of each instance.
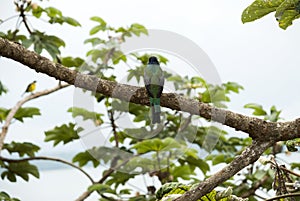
(20, 169)
(65, 133)
(24, 148)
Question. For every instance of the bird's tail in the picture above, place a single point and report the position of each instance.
(155, 108)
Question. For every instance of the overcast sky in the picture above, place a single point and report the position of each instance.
(259, 56)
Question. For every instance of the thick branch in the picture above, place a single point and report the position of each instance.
(255, 127)
(248, 156)
(19, 104)
(264, 133)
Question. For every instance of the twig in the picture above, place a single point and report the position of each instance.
(284, 196)
(13, 111)
(48, 159)
(22, 15)
(254, 187)
(248, 156)
(114, 126)
(86, 194)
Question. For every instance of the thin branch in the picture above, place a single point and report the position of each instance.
(255, 186)
(290, 171)
(24, 20)
(290, 195)
(86, 194)
(248, 156)
(19, 104)
(114, 126)
(48, 159)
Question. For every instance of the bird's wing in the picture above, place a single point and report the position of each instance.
(162, 79)
(28, 88)
(147, 76)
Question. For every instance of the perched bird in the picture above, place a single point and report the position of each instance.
(154, 83)
(30, 87)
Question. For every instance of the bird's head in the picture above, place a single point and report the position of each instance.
(34, 81)
(153, 60)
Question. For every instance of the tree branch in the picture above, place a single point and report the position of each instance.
(291, 195)
(254, 187)
(255, 127)
(86, 194)
(248, 156)
(263, 133)
(19, 104)
(48, 159)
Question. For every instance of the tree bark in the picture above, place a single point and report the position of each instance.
(263, 133)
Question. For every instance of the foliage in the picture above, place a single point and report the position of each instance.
(286, 11)
(180, 150)
(170, 191)
(64, 133)
(5, 197)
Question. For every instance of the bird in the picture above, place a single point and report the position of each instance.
(30, 88)
(154, 82)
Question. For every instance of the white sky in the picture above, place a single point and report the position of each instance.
(259, 56)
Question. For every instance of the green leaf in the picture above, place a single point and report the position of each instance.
(71, 21)
(53, 12)
(259, 8)
(13, 36)
(42, 41)
(3, 90)
(38, 47)
(84, 157)
(218, 159)
(100, 27)
(118, 178)
(26, 112)
(258, 109)
(287, 17)
(24, 148)
(233, 86)
(98, 19)
(94, 41)
(96, 29)
(137, 29)
(118, 56)
(38, 11)
(72, 61)
(97, 54)
(101, 188)
(86, 115)
(274, 114)
(5, 197)
(291, 144)
(156, 145)
(295, 165)
(125, 191)
(286, 4)
(20, 169)
(3, 113)
(197, 162)
(64, 133)
(183, 171)
(54, 40)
